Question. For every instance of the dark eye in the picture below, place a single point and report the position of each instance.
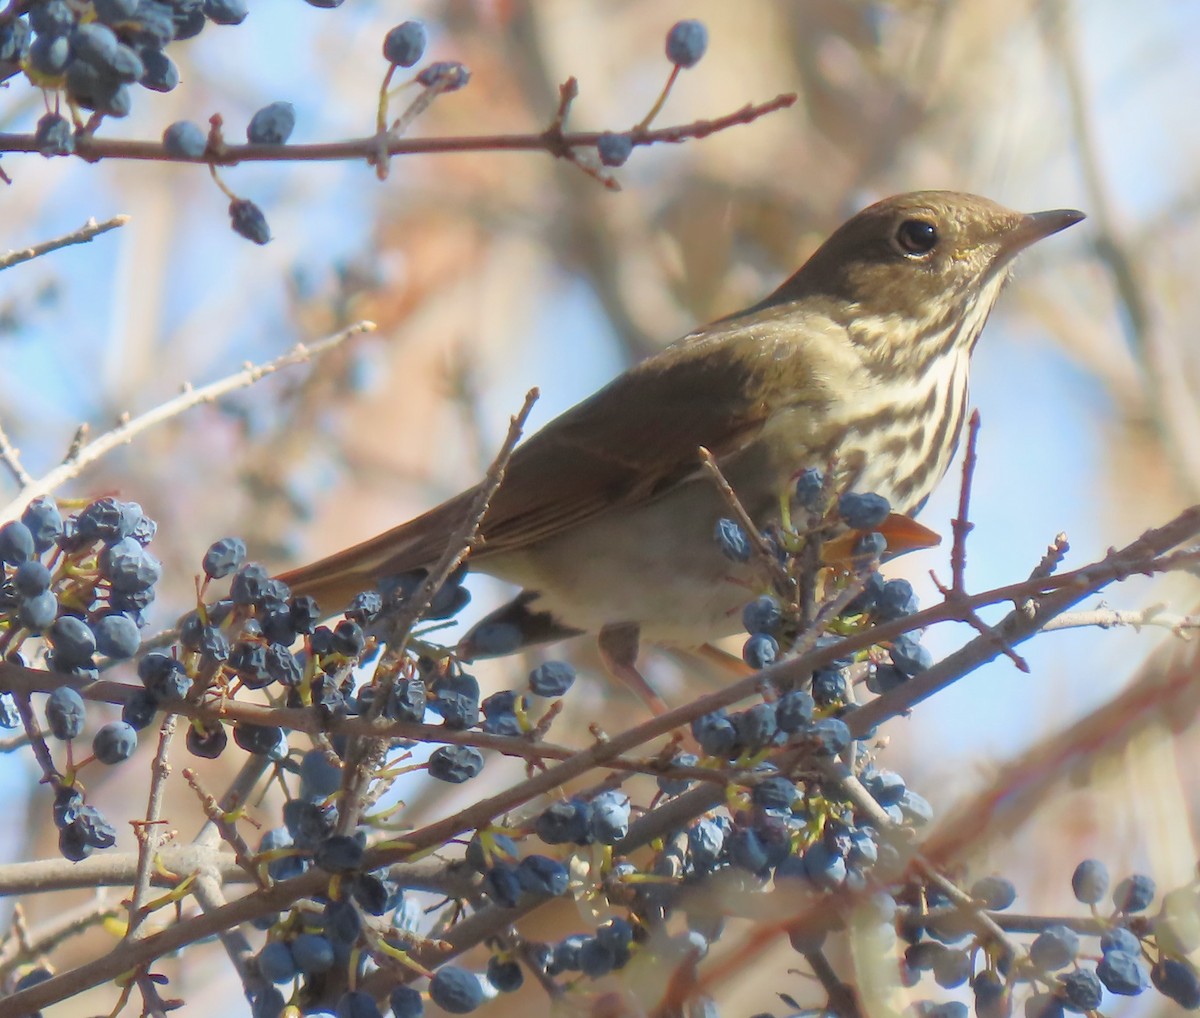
(916, 237)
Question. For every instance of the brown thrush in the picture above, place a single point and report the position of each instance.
(605, 518)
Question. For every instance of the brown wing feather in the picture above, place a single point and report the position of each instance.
(628, 442)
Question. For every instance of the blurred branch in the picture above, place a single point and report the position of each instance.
(82, 456)
(83, 235)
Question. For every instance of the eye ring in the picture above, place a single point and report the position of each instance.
(916, 237)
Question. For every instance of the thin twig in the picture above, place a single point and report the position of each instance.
(82, 456)
(85, 233)
(1111, 618)
(10, 455)
(148, 831)
(961, 525)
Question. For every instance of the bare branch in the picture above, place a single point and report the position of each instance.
(83, 235)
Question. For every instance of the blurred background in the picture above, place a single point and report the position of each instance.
(492, 273)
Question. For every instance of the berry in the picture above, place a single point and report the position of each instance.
(185, 140)
(55, 17)
(114, 743)
(406, 1002)
(446, 75)
(44, 522)
(272, 125)
(794, 710)
(208, 741)
(994, 893)
(456, 699)
(139, 709)
(502, 885)
(1081, 991)
(1177, 980)
(261, 740)
(596, 959)
(810, 490)
(39, 612)
(247, 220)
(760, 651)
(128, 566)
(404, 45)
(1134, 893)
(16, 543)
(715, 734)
(275, 962)
(1117, 938)
(74, 642)
(614, 149)
(1090, 881)
(896, 600)
(1122, 973)
(54, 135)
(117, 636)
(755, 726)
(830, 736)
(1054, 948)
(610, 816)
(455, 990)
(732, 540)
(319, 777)
(226, 12)
(455, 764)
(111, 11)
(65, 713)
(565, 822)
(869, 546)
(863, 511)
(357, 1004)
(551, 678)
(909, 656)
(249, 584)
(542, 876)
(339, 853)
(31, 578)
(829, 686)
(762, 615)
(164, 676)
(161, 74)
(505, 976)
(775, 792)
(686, 42)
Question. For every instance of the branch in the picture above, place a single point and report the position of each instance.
(83, 235)
(82, 456)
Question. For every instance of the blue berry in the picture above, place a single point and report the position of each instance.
(776, 792)
(994, 893)
(44, 522)
(139, 709)
(226, 12)
(896, 600)
(871, 545)
(114, 743)
(185, 140)
(755, 727)
(760, 651)
(596, 959)
(206, 740)
(1054, 948)
(455, 764)
(55, 17)
(1081, 991)
(272, 125)
(810, 490)
(505, 976)
(357, 1004)
(1089, 882)
(715, 733)
(687, 42)
(248, 221)
(73, 641)
(830, 736)
(16, 543)
(128, 566)
(1177, 980)
(65, 714)
(1134, 893)
(406, 1002)
(319, 777)
(448, 75)
(794, 710)
(829, 686)
(502, 885)
(614, 149)
(261, 740)
(863, 510)
(456, 699)
(542, 876)
(1118, 938)
(1044, 1005)
(909, 656)
(275, 962)
(38, 613)
(1122, 973)
(732, 540)
(54, 135)
(117, 636)
(551, 678)
(31, 578)
(762, 615)
(610, 816)
(405, 44)
(455, 990)
(339, 853)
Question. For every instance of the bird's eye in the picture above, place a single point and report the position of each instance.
(916, 236)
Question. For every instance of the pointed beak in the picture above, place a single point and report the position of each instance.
(1037, 226)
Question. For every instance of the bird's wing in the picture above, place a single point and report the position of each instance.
(629, 442)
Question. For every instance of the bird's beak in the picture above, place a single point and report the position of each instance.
(1037, 226)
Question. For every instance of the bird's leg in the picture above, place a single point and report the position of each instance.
(619, 650)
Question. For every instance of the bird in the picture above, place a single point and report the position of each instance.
(605, 518)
